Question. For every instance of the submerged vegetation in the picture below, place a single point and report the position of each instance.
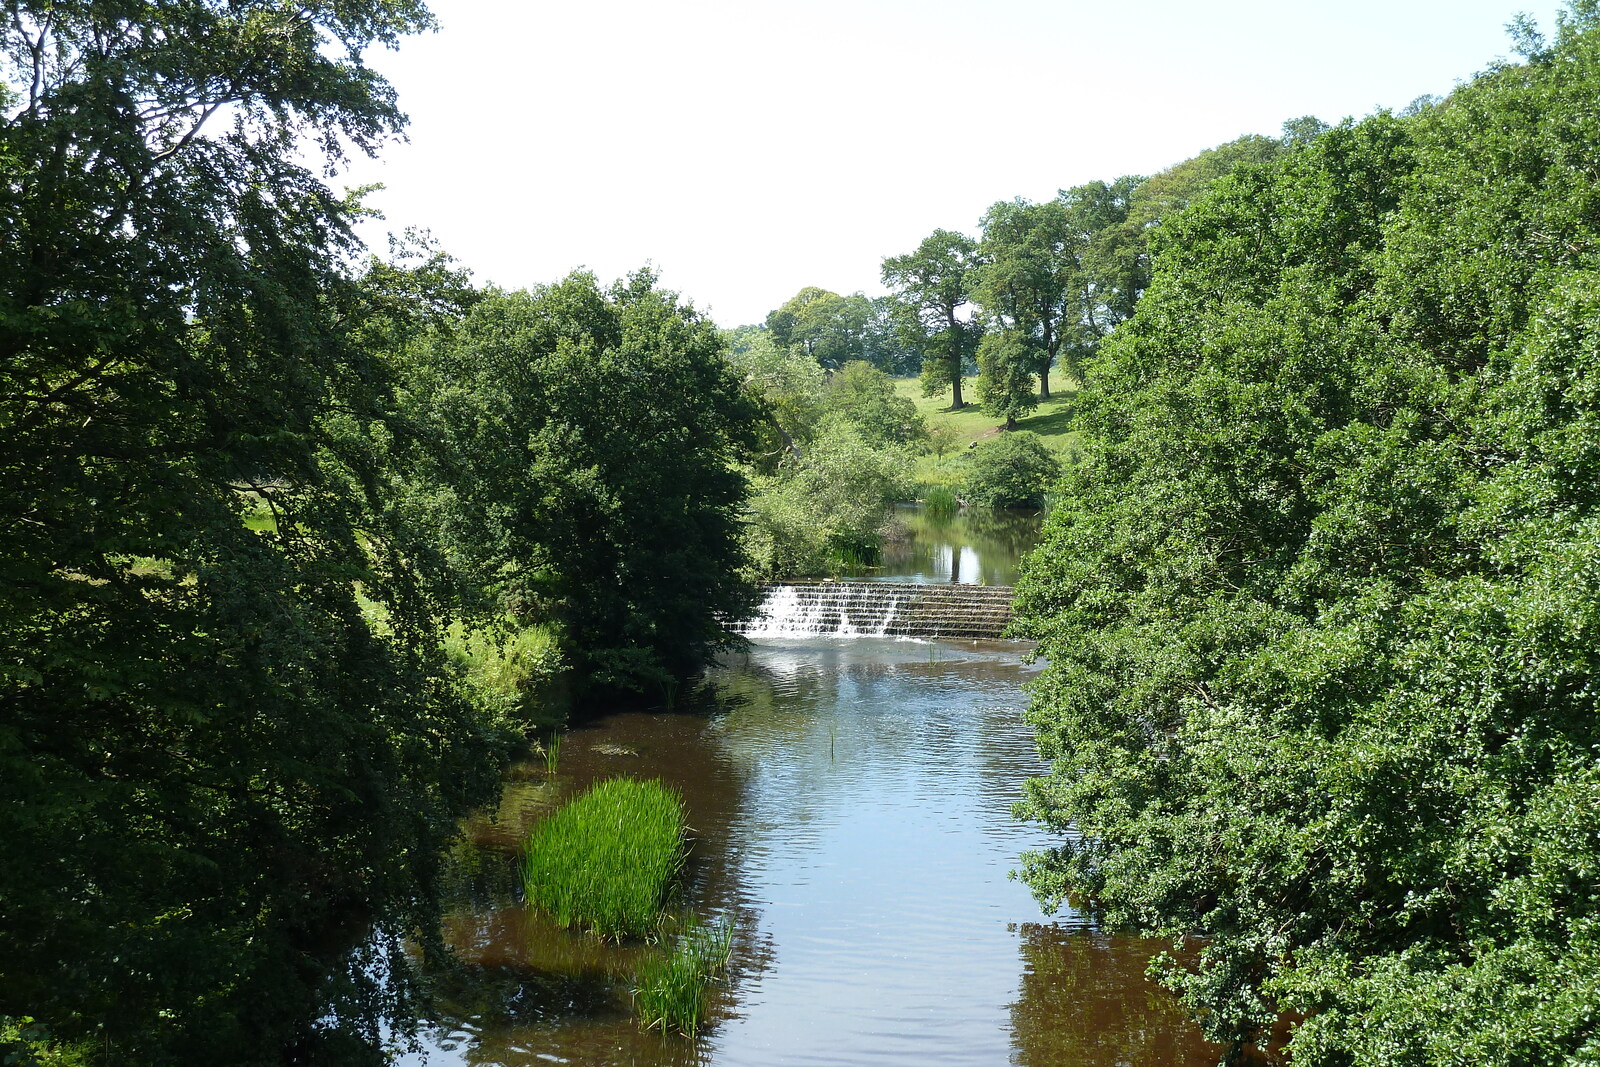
(672, 990)
(606, 860)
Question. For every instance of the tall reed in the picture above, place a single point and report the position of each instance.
(672, 991)
(940, 501)
(605, 861)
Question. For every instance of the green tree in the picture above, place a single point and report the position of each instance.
(1108, 276)
(1027, 279)
(933, 284)
(885, 342)
(1014, 470)
(228, 739)
(829, 328)
(1006, 361)
(866, 396)
(593, 435)
(786, 386)
(826, 508)
(1318, 610)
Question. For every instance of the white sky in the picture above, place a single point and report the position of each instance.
(749, 148)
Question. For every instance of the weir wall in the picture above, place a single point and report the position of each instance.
(889, 609)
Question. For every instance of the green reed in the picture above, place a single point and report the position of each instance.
(605, 861)
(940, 501)
(672, 991)
(551, 751)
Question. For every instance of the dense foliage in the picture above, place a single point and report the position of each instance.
(1006, 362)
(1014, 470)
(276, 582)
(1323, 610)
(228, 738)
(833, 456)
(588, 440)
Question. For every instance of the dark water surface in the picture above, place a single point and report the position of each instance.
(851, 806)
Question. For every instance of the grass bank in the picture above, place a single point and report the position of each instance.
(1051, 420)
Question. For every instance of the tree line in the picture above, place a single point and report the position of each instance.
(1037, 291)
(1321, 608)
(293, 537)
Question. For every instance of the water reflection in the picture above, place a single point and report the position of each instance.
(1085, 1001)
(975, 546)
(850, 800)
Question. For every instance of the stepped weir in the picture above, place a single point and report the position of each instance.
(881, 609)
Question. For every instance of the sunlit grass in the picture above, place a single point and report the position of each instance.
(1051, 420)
(671, 991)
(606, 860)
(550, 751)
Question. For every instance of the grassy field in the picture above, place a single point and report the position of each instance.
(1051, 420)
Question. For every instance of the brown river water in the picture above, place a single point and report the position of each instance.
(850, 801)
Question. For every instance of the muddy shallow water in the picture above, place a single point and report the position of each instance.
(851, 806)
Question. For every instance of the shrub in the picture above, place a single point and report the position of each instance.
(1014, 470)
(830, 505)
(605, 860)
(514, 671)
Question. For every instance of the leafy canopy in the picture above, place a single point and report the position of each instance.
(228, 739)
(1321, 611)
(588, 474)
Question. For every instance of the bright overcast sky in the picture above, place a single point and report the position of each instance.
(749, 148)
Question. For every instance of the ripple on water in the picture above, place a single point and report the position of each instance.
(851, 805)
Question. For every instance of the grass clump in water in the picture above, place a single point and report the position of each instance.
(940, 501)
(605, 860)
(671, 991)
(550, 750)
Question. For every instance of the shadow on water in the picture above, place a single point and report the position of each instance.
(1085, 1001)
(850, 805)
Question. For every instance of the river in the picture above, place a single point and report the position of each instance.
(850, 800)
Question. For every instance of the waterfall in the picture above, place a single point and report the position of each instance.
(880, 609)
(840, 609)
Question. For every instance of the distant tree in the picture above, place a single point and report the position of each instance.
(1006, 361)
(867, 398)
(740, 339)
(829, 328)
(786, 386)
(933, 284)
(1013, 470)
(1027, 279)
(892, 343)
(1300, 132)
(1111, 275)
